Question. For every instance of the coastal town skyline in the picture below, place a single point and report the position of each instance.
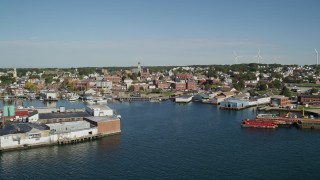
(157, 33)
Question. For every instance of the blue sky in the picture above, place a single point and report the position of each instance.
(75, 33)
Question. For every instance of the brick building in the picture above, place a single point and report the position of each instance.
(179, 86)
(163, 85)
(279, 101)
(191, 85)
(113, 79)
(184, 76)
(309, 99)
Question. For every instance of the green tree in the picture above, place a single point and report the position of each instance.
(86, 70)
(285, 91)
(314, 90)
(156, 91)
(239, 85)
(141, 88)
(252, 92)
(253, 67)
(236, 86)
(261, 86)
(311, 79)
(242, 85)
(30, 86)
(48, 79)
(211, 73)
(276, 83)
(34, 77)
(7, 80)
(70, 86)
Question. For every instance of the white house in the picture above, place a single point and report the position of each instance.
(99, 110)
(152, 86)
(128, 82)
(104, 84)
(24, 135)
(33, 116)
(48, 94)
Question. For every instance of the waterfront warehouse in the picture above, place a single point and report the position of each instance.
(59, 128)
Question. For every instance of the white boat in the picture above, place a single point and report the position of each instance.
(184, 99)
(100, 100)
(103, 101)
(73, 97)
(90, 101)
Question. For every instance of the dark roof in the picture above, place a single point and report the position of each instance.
(205, 96)
(102, 118)
(14, 128)
(34, 112)
(63, 115)
(308, 95)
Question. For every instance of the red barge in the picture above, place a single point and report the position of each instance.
(249, 123)
(273, 121)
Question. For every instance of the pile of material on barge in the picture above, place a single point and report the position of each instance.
(273, 121)
(257, 124)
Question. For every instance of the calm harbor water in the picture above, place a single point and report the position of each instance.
(171, 141)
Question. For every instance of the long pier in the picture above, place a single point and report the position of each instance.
(144, 98)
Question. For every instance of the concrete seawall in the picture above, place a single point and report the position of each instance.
(60, 142)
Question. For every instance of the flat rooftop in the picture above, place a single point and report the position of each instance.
(101, 107)
(72, 123)
(15, 128)
(102, 118)
(56, 115)
(185, 96)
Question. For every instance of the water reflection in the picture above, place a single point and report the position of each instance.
(52, 155)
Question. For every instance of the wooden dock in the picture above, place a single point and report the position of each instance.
(232, 108)
(77, 140)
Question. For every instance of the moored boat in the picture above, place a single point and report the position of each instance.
(249, 123)
(74, 97)
(309, 124)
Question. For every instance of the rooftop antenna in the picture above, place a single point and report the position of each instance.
(258, 56)
(236, 57)
(317, 56)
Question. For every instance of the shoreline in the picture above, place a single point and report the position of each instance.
(71, 142)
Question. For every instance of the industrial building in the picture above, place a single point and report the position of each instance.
(279, 100)
(106, 125)
(99, 110)
(58, 127)
(234, 103)
(309, 99)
